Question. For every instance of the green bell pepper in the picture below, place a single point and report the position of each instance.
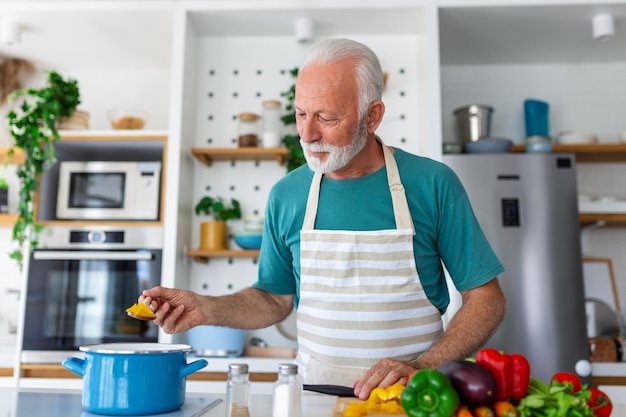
(429, 393)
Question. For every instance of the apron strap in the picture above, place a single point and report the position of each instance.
(311, 204)
(398, 196)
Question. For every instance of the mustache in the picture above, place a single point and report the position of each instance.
(317, 147)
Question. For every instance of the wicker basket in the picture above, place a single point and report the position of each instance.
(78, 121)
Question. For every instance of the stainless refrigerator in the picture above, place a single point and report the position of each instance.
(527, 207)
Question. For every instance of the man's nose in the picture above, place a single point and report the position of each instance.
(308, 131)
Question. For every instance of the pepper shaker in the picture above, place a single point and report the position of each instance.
(238, 390)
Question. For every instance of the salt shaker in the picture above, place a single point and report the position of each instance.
(287, 392)
(238, 390)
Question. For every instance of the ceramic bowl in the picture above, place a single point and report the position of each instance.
(248, 239)
(127, 119)
(489, 145)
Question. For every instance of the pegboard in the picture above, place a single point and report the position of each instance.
(235, 75)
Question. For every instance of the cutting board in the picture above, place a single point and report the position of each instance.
(342, 403)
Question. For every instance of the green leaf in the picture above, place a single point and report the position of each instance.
(34, 131)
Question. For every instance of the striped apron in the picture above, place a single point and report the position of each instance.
(361, 299)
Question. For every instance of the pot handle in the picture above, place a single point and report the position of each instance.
(75, 365)
(192, 367)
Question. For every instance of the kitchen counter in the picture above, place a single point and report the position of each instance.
(67, 403)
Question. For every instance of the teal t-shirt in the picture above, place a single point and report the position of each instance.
(446, 229)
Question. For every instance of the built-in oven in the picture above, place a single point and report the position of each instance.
(80, 281)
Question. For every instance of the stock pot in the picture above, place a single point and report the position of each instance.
(133, 378)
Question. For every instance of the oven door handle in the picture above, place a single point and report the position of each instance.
(95, 255)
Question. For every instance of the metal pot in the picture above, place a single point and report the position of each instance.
(133, 378)
(473, 122)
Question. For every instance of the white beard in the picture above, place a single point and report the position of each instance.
(338, 156)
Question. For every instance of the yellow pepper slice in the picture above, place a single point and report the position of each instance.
(141, 309)
(355, 409)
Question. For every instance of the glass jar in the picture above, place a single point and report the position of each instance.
(248, 129)
(237, 390)
(272, 124)
(287, 401)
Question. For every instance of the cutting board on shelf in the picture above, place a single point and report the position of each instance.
(342, 403)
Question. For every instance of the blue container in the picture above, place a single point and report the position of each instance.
(536, 118)
(133, 378)
(249, 239)
(217, 341)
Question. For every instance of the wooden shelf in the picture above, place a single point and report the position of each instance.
(17, 157)
(603, 152)
(203, 255)
(612, 219)
(208, 155)
(137, 134)
(7, 220)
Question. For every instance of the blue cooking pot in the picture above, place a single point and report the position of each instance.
(133, 378)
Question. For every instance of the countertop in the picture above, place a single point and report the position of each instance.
(67, 403)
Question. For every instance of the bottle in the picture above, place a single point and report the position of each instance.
(272, 124)
(248, 129)
(287, 392)
(238, 390)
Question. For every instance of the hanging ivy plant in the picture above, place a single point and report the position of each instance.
(295, 154)
(33, 127)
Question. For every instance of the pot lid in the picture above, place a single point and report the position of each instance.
(131, 348)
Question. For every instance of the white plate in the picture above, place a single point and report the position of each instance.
(576, 137)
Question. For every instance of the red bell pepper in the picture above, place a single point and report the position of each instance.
(521, 376)
(599, 403)
(575, 385)
(511, 372)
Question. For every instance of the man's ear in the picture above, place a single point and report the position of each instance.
(375, 114)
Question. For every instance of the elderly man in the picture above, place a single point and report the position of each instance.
(356, 241)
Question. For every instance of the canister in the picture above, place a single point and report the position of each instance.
(536, 118)
(272, 124)
(248, 129)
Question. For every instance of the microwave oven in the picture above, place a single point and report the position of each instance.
(103, 190)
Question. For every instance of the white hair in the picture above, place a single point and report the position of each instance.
(369, 75)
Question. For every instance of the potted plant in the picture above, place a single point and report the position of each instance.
(34, 128)
(295, 154)
(213, 234)
(4, 196)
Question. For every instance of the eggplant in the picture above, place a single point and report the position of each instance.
(474, 383)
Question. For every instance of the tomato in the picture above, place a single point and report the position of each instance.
(568, 378)
(600, 403)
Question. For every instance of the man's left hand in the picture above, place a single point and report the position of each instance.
(385, 373)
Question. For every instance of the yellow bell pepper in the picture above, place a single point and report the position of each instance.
(380, 401)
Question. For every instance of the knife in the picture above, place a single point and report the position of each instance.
(338, 390)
